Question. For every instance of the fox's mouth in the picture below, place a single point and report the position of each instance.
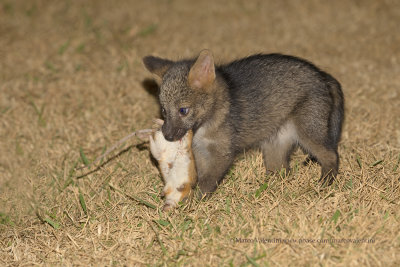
(175, 136)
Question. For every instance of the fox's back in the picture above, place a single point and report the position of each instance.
(266, 89)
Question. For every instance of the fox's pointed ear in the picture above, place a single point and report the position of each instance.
(157, 65)
(202, 73)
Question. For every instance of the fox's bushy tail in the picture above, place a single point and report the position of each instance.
(337, 113)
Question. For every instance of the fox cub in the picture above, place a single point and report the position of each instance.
(273, 102)
(176, 164)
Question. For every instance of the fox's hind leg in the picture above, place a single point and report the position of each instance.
(328, 158)
(324, 152)
(277, 150)
(318, 135)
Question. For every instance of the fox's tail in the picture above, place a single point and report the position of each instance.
(337, 114)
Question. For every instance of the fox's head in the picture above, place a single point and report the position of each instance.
(186, 92)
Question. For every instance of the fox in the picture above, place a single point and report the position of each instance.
(272, 102)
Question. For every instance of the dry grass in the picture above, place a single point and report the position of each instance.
(71, 83)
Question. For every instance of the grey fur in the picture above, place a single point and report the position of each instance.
(273, 102)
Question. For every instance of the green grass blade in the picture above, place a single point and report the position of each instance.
(83, 157)
(252, 261)
(376, 163)
(52, 223)
(147, 31)
(63, 47)
(359, 161)
(4, 110)
(162, 222)
(141, 201)
(82, 202)
(336, 216)
(397, 164)
(262, 188)
(5, 219)
(228, 205)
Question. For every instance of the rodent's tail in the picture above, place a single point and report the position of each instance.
(337, 113)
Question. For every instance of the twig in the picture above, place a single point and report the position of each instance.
(144, 202)
(117, 144)
(73, 241)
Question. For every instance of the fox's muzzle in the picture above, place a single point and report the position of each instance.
(172, 132)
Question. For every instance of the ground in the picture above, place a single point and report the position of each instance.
(72, 83)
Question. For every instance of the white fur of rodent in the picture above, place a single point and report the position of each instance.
(176, 164)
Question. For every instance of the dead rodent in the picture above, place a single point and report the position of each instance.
(176, 164)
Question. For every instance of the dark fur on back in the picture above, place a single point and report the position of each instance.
(286, 82)
(273, 102)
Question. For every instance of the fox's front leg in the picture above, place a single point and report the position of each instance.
(212, 162)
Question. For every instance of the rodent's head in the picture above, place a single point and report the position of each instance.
(185, 92)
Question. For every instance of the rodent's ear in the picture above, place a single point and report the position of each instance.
(202, 73)
(157, 65)
(158, 122)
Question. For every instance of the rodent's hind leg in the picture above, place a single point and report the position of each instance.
(174, 195)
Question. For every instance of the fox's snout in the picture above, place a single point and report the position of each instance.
(171, 132)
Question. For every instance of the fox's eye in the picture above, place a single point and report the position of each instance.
(183, 111)
(163, 111)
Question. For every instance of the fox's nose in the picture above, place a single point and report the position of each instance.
(169, 135)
